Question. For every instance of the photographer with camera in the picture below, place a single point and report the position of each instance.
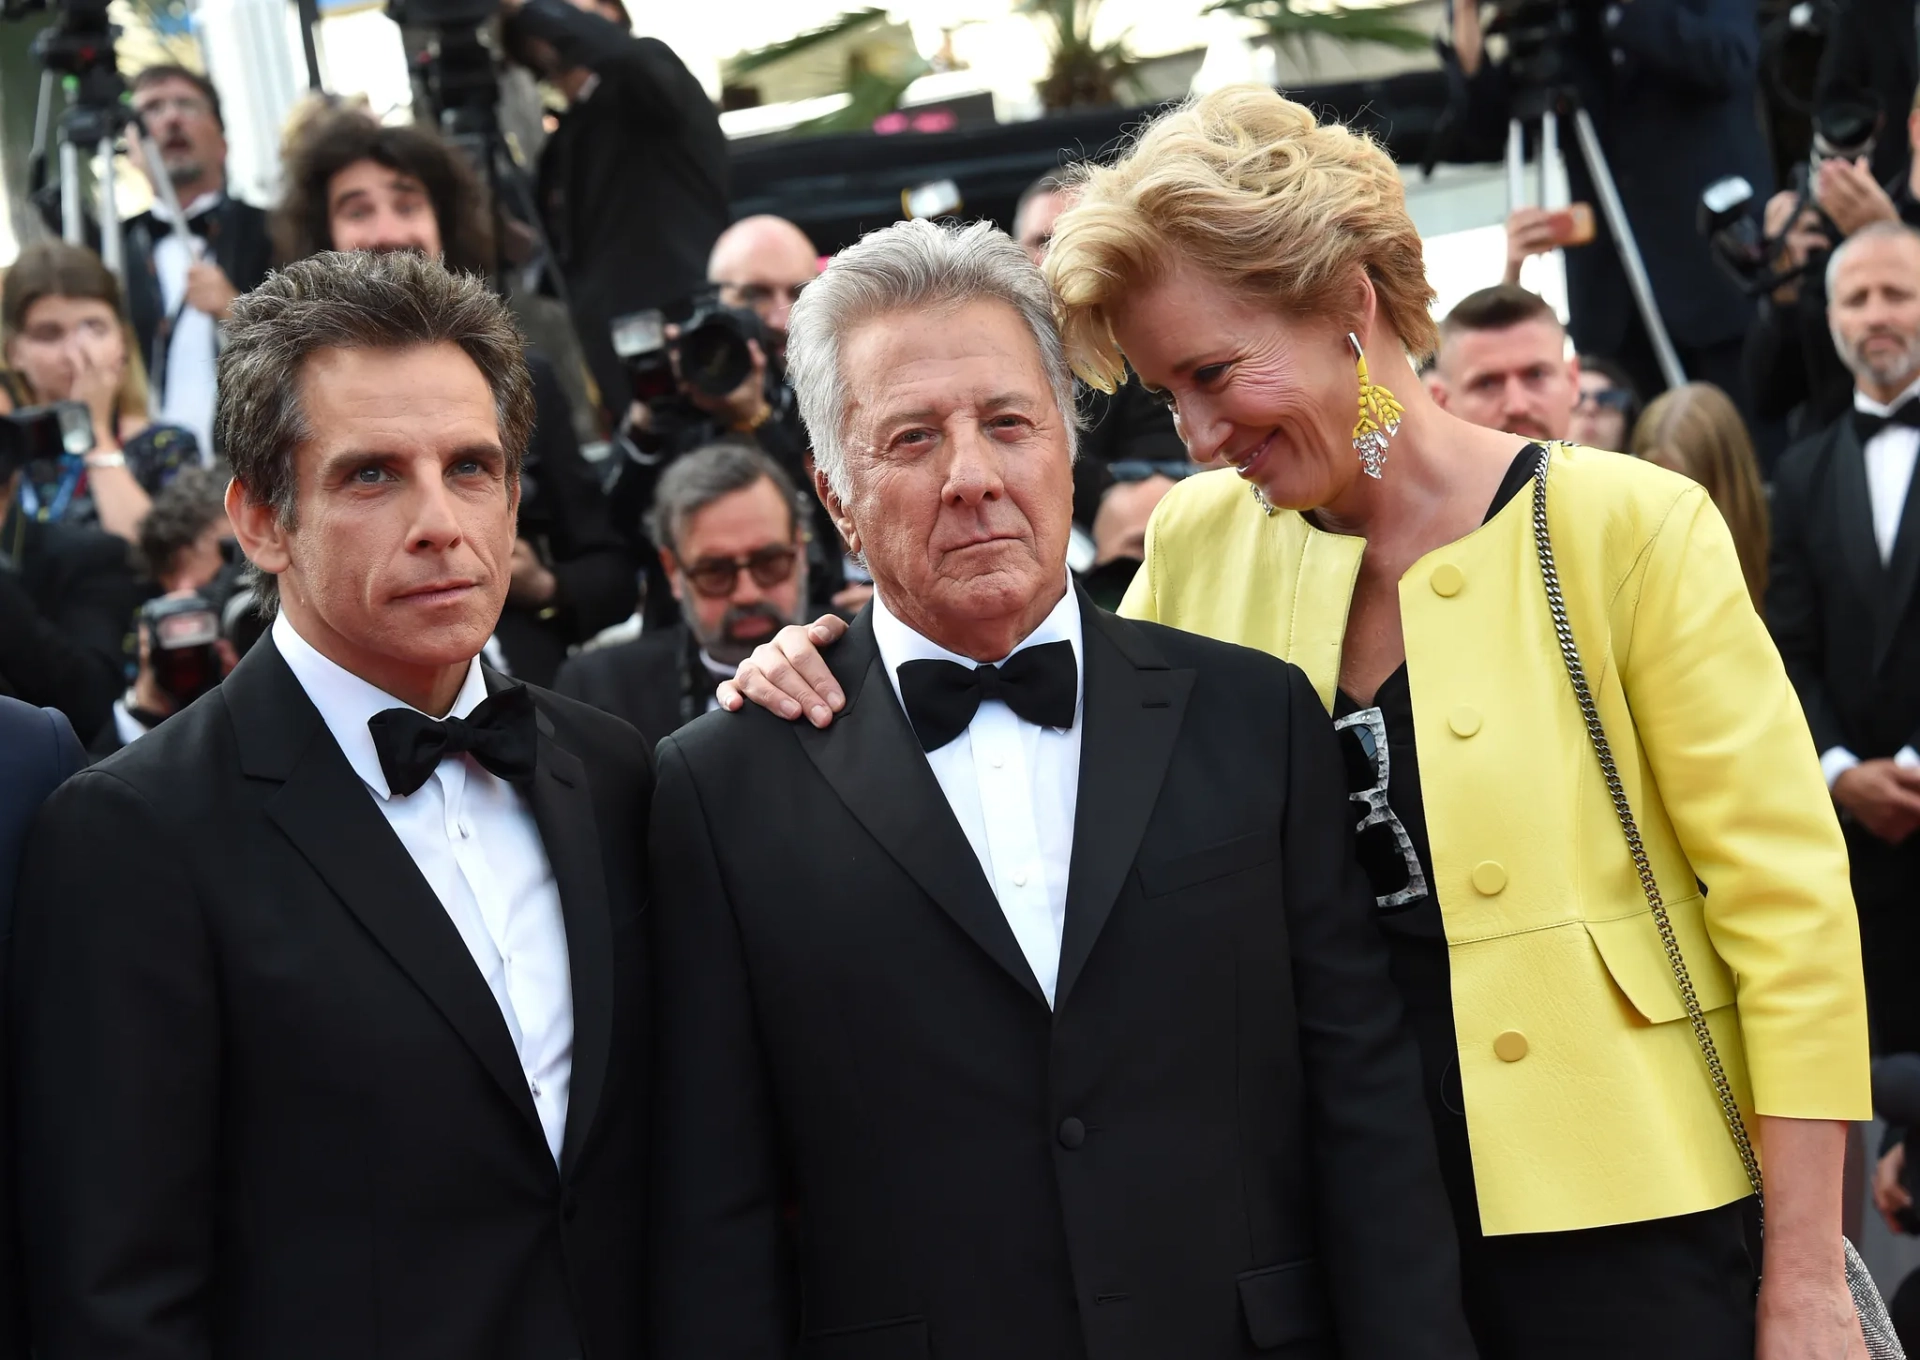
(353, 184)
(180, 284)
(1790, 360)
(67, 592)
(1872, 60)
(633, 184)
(1671, 86)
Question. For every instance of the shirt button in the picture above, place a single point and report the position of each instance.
(535, 1085)
(1447, 580)
(1510, 1047)
(996, 761)
(1464, 720)
(1489, 878)
(465, 831)
(1020, 879)
(1072, 1133)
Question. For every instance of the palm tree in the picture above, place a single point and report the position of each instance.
(1080, 72)
(871, 92)
(1292, 29)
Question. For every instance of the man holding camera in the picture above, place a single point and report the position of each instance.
(181, 284)
(633, 184)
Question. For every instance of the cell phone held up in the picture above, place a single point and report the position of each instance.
(1572, 225)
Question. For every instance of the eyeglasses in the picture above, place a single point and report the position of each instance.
(715, 577)
(760, 295)
(186, 105)
(1607, 399)
(1385, 849)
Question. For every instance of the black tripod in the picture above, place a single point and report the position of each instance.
(1545, 104)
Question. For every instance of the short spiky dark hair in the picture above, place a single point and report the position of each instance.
(302, 225)
(153, 75)
(1495, 309)
(351, 300)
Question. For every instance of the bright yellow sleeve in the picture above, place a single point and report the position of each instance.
(1142, 600)
(1736, 769)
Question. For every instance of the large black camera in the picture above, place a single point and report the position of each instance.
(43, 433)
(712, 353)
(184, 632)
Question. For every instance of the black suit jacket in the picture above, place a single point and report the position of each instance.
(1214, 1147)
(37, 751)
(67, 600)
(238, 240)
(269, 1106)
(642, 681)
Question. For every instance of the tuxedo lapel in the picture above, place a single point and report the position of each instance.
(563, 809)
(329, 815)
(875, 765)
(1854, 503)
(1902, 573)
(1132, 710)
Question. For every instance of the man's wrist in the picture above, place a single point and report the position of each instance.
(1836, 761)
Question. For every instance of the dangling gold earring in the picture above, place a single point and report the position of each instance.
(1380, 413)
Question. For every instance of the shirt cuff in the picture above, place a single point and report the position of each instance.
(1836, 761)
(1907, 758)
(125, 726)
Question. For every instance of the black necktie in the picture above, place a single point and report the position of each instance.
(1040, 684)
(1906, 413)
(499, 733)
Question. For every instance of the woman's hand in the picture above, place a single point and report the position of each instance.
(788, 675)
(97, 374)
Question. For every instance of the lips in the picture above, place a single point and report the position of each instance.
(437, 592)
(1246, 460)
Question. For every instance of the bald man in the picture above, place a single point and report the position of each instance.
(763, 262)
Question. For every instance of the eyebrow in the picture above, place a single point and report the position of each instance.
(349, 460)
(928, 415)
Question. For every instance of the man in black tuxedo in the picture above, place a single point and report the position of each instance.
(728, 522)
(1843, 606)
(330, 1014)
(1047, 992)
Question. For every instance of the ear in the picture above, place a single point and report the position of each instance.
(671, 565)
(1437, 389)
(258, 530)
(837, 512)
(1365, 309)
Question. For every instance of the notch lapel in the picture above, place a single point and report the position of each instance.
(563, 809)
(329, 816)
(1902, 571)
(1854, 502)
(875, 765)
(1133, 708)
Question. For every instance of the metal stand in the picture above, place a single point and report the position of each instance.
(1610, 208)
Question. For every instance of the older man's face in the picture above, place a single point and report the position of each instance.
(960, 472)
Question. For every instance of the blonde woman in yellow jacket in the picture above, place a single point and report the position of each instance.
(1261, 273)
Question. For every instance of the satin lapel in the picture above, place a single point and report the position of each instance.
(1132, 709)
(330, 817)
(1902, 573)
(563, 809)
(1854, 504)
(874, 763)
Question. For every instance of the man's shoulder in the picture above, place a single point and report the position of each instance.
(1803, 459)
(1181, 650)
(591, 733)
(173, 766)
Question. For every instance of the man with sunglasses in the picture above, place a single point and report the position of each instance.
(728, 523)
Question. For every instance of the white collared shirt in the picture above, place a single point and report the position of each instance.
(1013, 786)
(719, 670)
(475, 841)
(1890, 456)
(191, 350)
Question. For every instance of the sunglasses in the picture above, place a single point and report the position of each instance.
(1386, 850)
(715, 577)
(1607, 399)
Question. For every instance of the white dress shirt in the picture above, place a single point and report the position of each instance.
(475, 841)
(1890, 457)
(189, 394)
(719, 670)
(1013, 786)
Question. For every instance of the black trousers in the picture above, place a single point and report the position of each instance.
(1886, 889)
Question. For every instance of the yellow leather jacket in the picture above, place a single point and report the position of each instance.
(1587, 1100)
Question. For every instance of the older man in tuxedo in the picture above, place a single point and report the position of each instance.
(330, 990)
(1046, 988)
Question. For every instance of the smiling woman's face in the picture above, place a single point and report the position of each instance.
(1272, 395)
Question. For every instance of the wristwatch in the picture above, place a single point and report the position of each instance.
(105, 460)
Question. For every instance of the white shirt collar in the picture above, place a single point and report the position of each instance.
(346, 701)
(199, 205)
(899, 644)
(1863, 402)
(719, 670)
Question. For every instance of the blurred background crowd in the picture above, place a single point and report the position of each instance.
(1634, 214)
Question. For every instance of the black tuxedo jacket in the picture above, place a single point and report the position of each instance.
(642, 681)
(1214, 1147)
(1844, 622)
(269, 1107)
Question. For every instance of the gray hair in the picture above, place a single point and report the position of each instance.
(1873, 231)
(698, 479)
(910, 266)
(350, 300)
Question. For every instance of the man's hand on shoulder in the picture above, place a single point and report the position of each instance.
(788, 675)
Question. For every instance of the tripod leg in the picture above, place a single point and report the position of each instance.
(1516, 164)
(112, 247)
(73, 222)
(1630, 258)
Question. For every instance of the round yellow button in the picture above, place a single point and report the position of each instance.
(1448, 579)
(1511, 1046)
(1464, 720)
(1489, 878)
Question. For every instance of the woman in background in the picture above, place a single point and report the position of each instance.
(66, 338)
(1696, 431)
(1607, 408)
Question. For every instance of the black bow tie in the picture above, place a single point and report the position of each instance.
(1906, 413)
(1040, 684)
(499, 733)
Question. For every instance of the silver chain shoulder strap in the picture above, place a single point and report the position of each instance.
(1882, 1344)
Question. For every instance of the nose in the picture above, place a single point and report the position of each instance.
(746, 590)
(435, 526)
(1206, 435)
(778, 311)
(973, 474)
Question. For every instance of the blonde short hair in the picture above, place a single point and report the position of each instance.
(1247, 185)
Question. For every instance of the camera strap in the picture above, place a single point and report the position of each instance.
(55, 508)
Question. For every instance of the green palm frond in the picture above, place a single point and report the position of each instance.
(1291, 29)
(872, 95)
(748, 62)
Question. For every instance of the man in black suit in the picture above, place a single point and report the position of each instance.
(180, 288)
(727, 520)
(1843, 606)
(340, 1051)
(1047, 991)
